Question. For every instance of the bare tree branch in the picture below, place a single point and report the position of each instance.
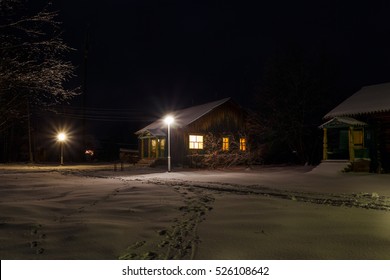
(32, 60)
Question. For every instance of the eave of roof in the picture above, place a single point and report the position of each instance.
(342, 122)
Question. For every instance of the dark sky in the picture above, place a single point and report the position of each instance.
(152, 52)
(148, 55)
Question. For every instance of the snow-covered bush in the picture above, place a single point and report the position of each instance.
(213, 156)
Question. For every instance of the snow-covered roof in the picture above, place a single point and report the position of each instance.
(370, 99)
(342, 122)
(182, 117)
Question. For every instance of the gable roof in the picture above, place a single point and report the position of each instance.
(182, 117)
(342, 122)
(370, 99)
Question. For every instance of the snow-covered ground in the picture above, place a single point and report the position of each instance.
(94, 212)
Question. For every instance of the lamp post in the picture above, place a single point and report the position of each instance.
(61, 137)
(169, 120)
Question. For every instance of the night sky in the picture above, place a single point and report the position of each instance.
(150, 56)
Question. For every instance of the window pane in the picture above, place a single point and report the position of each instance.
(358, 137)
(242, 144)
(196, 142)
(225, 143)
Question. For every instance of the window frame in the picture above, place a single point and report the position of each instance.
(360, 134)
(243, 143)
(198, 144)
(225, 143)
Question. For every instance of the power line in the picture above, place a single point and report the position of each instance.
(102, 114)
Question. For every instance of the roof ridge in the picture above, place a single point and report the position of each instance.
(204, 104)
(208, 107)
(187, 115)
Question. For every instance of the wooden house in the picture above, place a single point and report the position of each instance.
(358, 130)
(223, 118)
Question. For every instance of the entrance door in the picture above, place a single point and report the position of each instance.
(154, 149)
(338, 144)
(162, 148)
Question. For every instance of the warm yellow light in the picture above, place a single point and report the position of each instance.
(196, 142)
(169, 120)
(61, 137)
(242, 144)
(225, 144)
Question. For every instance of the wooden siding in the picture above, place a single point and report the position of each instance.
(227, 119)
(383, 121)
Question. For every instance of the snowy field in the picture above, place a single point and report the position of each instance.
(94, 212)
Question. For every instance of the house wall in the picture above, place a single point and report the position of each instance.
(178, 147)
(227, 119)
(382, 131)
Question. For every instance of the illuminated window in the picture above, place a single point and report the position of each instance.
(225, 144)
(358, 137)
(242, 144)
(196, 142)
(154, 145)
(162, 144)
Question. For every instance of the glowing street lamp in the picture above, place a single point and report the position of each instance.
(169, 120)
(61, 137)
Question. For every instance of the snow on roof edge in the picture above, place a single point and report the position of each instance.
(369, 99)
(343, 120)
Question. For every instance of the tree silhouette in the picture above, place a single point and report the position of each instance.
(33, 68)
(292, 98)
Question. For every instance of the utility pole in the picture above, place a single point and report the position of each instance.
(30, 153)
(86, 48)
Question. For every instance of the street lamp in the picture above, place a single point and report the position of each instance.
(169, 120)
(61, 137)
